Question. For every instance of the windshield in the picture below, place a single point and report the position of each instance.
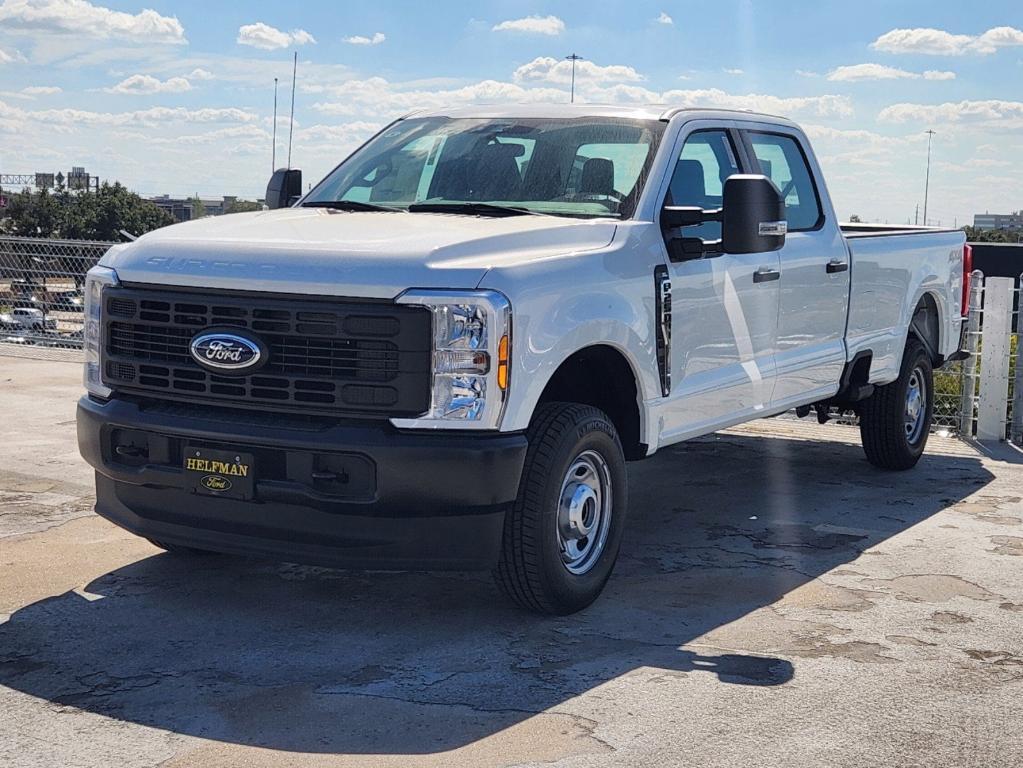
(583, 167)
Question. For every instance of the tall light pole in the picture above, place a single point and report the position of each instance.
(927, 183)
(273, 154)
(573, 58)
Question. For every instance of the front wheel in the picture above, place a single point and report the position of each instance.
(896, 419)
(561, 536)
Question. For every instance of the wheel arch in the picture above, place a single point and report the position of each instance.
(602, 375)
(926, 323)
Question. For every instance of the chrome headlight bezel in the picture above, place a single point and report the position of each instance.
(97, 280)
(471, 350)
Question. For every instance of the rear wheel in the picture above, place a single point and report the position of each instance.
(896, 419)
(562, 535)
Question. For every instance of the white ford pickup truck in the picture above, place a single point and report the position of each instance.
(445, 353)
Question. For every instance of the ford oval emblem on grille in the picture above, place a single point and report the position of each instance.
(225, 351)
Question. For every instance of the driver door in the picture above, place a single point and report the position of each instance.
(724, 306)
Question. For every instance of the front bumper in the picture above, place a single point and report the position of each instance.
(342, 495)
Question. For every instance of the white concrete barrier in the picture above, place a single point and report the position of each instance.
(992, 409)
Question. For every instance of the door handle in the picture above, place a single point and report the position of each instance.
(837, 265)
(765, 275)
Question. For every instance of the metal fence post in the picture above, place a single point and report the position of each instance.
(1016, 431)
(993, 404)
(969, 365)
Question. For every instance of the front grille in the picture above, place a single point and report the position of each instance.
(341, 357)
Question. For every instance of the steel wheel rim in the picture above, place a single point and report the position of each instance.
(584, 512)
(916, 406)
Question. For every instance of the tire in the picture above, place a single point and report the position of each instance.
(561, 536)
(892, 437)
(177, 549)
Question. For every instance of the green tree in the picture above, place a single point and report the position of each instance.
(975, 235)
(855, 219)
(198, 209)
(99, 215)
(243, 206)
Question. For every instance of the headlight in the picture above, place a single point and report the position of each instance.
(471, 359)
(97, 279)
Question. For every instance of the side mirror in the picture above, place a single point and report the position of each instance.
(285, 188)
(752, 215)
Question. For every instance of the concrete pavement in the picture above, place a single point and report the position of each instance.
(778, 602)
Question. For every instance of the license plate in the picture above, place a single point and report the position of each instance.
(228, 474)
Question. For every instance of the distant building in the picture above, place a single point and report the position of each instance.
(998, 220)
(183, 208)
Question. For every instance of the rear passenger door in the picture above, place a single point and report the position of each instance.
(814, 285)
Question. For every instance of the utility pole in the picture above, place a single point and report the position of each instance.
(927, 183)
(273, 161)
(916, 216)
(573, 58)
(291, 131)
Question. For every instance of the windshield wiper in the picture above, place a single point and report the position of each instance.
(348, 205)
(472, 209)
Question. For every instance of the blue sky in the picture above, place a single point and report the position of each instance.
(177, 97)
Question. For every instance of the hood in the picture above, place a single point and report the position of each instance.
(323, 252)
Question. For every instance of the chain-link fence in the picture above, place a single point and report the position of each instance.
(41, 295)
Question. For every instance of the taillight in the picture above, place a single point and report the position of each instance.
(967, 272)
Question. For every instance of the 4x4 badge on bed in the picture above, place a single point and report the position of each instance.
(222, 351)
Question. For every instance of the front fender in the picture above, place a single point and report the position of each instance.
(562, 307)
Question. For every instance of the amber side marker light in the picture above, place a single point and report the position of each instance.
(502, 363)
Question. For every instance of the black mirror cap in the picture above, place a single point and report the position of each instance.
(285, 188)
(753, 215)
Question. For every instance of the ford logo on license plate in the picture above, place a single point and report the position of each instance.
(227, 351)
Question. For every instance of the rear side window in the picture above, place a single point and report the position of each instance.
(782, 160)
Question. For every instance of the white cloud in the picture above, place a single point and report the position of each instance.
(938, 42)
(551, 70)
(993, 112)
(807, 73)
(664, 19)
(41, 90)
(535, 25)
(11, 58)
(200, 74)
(856, 72)
(144, 85)
(267, 38)
(81, 18)
(820, 106)
(376, 39)
(154, 117)
(734, 71)
(377, 97)
(32, 91)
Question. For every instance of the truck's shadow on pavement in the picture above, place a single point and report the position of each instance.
(315, 660)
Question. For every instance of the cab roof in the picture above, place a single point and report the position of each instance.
(633, 111)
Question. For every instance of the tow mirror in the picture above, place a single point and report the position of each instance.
(752, 218)
(285, 188)
(753, 215)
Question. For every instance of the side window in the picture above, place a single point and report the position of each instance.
(782, 160)
(706, 160)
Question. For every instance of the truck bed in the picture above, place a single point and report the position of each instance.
(891, 270)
